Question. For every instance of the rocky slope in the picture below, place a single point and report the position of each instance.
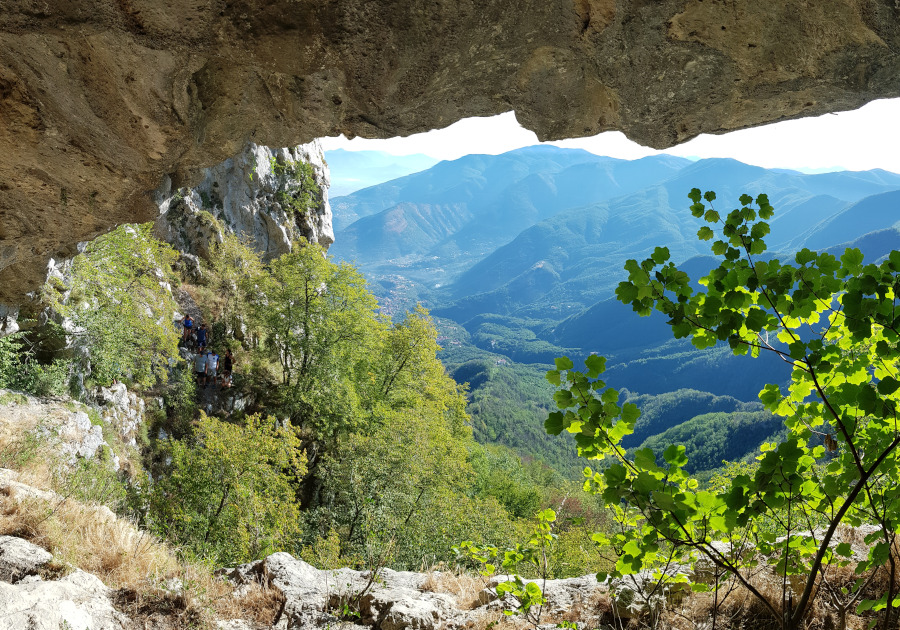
(102, 101)
(68, 564)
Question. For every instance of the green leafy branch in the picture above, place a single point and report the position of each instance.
(835, 322)
(533, 555)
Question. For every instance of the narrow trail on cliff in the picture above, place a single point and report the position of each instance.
(209, 397)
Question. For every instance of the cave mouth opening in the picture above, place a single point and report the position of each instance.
(854, 140)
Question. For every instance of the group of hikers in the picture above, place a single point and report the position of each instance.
(206, 361)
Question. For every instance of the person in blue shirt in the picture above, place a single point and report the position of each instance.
(188, 324)
(202, 337)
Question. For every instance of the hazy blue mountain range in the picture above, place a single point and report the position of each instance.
(575, 258)
(461, 211)
(355, 170)
(518, 256)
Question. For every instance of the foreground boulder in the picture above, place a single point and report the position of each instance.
(76, 601)
(79, 601)
(401, 600)
(19, 558)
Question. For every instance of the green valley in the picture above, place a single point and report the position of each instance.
(518, 257)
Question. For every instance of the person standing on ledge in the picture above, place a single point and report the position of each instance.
(188, 325)
(203, 338)
(227, 367)
(200, 367)
(212, 364)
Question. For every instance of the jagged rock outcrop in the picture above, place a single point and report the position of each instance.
(122, 410)
(19, 558)
(79, 600)
(397, 600)
(101, 101)
(257, 195)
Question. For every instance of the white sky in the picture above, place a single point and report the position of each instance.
(863, 139)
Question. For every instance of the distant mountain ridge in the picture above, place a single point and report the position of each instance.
(586, 246)
(354, 170)
(542, 232)
(500, 196)
(518, 256)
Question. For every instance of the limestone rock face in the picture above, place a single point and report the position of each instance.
(249, 195)
(79, 600)
(122, 410)
(19, 558)
(397, 600)
(66, 435)
(101, 100)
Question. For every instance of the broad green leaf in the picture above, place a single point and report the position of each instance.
(664, 501)
(596, 365)
(844, 549)
(646, 459)
(888, 385)
(675, 455)
(630, 412)
(554, 424)
(699, 587)
(626, 292)
(852, 259)
(805, 256)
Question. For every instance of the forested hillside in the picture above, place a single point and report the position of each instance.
(520, 255)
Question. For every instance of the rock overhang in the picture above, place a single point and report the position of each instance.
(102, 101)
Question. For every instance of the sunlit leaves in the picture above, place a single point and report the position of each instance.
(835, 324)
(675, 456)
(228, 497)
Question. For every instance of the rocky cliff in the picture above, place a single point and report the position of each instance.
(102, 101)
(270, 197)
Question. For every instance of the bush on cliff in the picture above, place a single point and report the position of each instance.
(117, 296)
(228, 496)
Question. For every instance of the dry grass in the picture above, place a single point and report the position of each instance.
(89, 537)
(254, 602)
(151, 585)
(464, 587)
(594, 612)
(161, 609)
(741, 609)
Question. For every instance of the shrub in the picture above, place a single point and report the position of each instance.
(228, 498)
(120, 305)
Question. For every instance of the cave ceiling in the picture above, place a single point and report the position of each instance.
(104, 101)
